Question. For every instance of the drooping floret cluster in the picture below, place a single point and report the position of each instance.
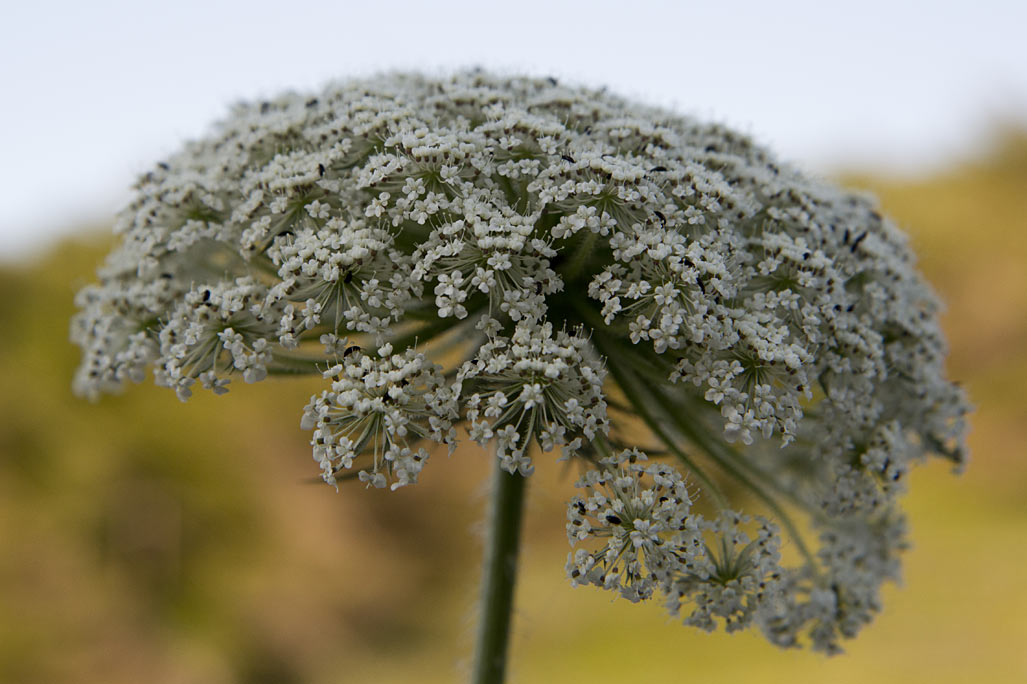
(654, 541)
(551, 268)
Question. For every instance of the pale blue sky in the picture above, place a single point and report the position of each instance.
(94, 93)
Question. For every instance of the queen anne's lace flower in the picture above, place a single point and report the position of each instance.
(545, 265)
(381, 407)
(643, 512)
(534, 387)
(730, 575)
(653, 541)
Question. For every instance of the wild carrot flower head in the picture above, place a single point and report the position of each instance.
(554, 268)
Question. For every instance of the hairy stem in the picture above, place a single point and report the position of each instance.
(499, 574)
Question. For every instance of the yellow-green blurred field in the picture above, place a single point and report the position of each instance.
(145, 540)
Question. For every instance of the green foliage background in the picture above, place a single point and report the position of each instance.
(143, 540)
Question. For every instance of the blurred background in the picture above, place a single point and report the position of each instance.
(142, 539)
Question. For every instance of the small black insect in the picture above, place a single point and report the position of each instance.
(552, 81)
(855, 243)
(349, 350)
(567, 158)
(321, 170)
(657, 169)
(613, 520)
(311, 103)
(663, 219)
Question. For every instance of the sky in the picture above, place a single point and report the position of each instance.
(93, 94)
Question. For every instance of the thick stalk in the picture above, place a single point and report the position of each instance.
(500, 570)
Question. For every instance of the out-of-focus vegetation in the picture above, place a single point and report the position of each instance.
(143, 540)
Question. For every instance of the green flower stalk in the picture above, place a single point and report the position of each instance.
(585, 266)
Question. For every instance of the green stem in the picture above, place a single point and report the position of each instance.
(634, 392)
(582, 252)
(500, 570)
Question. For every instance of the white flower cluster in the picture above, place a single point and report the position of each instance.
(216, 330)
(345, 275)
(560, 252)
(654, 541)
(533, 388)
(381, 407)
(856, 557)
